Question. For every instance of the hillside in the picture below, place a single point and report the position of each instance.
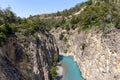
(95, 15)
(92, 14)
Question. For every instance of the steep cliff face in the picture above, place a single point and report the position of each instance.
(97, 54)
(27, 58)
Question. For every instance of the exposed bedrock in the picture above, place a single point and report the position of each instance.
(97, 54)
(27, 58)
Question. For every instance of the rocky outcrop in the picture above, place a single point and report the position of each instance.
(96, 53)
(27, 58)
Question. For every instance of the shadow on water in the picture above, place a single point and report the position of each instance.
(60, 78)
(61, 57)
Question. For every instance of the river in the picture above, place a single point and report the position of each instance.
(71, 71)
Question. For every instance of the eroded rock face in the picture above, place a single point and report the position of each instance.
(97, 54)
(27, 58)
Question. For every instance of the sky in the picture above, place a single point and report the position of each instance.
(24, 8)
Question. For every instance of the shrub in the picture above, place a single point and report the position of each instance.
(65, 51)
(54, 67)
(2, 38)
(74, 20)
(65, 40)
(53, 72)
(68, 45)
(55, 59)
(61, 36)
(3, 28)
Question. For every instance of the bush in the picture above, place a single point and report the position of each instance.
(6, 29)
(3, 28)
(65, 51)
(74, 20)
(68, 45)
(61, 36)
(55, 58)
(65, 40)
(89, 2)
(53, 72)
(54, 67)
(2, 38)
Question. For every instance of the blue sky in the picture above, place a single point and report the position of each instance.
(24, 8)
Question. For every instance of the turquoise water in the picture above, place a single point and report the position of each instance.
(72, 70)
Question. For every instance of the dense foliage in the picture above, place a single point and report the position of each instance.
(96, 14)
(8, 20)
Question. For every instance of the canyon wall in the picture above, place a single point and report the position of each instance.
(96, 53)
(27, 57)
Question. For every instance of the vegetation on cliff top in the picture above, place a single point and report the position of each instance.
(99, 14)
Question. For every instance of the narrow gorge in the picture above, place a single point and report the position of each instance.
(79, 43)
